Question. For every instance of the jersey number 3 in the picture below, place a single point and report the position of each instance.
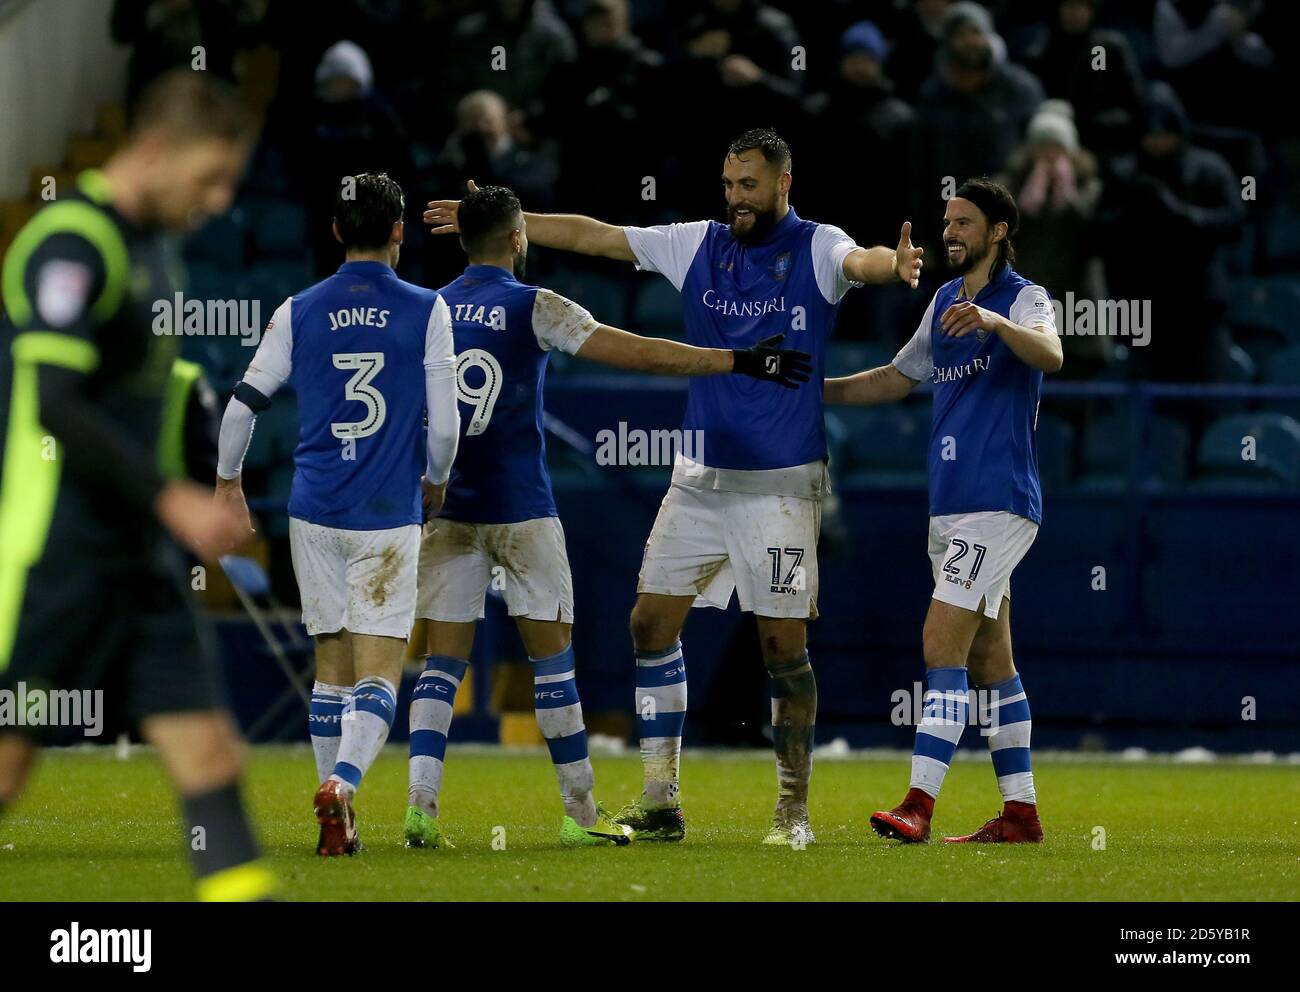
(366, 365)
(483, 397)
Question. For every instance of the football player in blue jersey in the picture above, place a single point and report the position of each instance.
(742, 515)
(985, 341)
(499, 519)
(368, 355)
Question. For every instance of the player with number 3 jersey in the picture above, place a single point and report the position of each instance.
(369, 355)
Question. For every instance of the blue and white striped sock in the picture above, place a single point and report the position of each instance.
(559, 717)
(660, 717)
(943, 718)
(430, 716)
(324, 724)
(367, 718)
(1009, 741)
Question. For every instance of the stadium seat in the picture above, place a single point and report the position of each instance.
(278, 227)
(885, 445)
(1168, 444)
(657, 310)
(219, 243)
(1270, 304)
(848, 357)
(1283, 367)
(606, 298)
(1276, 463)
(1282, 240)
(1109, 450)
(1055, 451)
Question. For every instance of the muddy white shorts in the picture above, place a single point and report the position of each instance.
(972, 556)
(707, 542)
(526, 562)
(357, 580)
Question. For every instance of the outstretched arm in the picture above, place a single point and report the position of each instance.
(882, 265)
(567, 232)
(880, 385)
(612, 346)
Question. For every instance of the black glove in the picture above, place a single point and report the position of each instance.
(772, 364)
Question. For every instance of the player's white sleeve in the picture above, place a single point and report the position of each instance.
(830, 246)
(916, 358)
(273, 361)
(440, 394)
(560, 323)
(266, 373)
(1033, 308)
(667, 249)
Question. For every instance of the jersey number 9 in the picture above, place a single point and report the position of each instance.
(482, 397)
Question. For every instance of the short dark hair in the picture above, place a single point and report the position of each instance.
(775, 151)
(999, 206)
(484, 215)
(366, 208)
(190, 105)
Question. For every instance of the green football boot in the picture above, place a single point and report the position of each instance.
(422, 830)
(601, 833)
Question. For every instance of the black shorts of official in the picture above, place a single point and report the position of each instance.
(127, 628)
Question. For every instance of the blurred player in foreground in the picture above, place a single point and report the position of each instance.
(500, 513)
(367, 354)
(745, 516)
(92, 592)
(985, 341)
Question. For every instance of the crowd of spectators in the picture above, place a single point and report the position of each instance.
(1129, 130)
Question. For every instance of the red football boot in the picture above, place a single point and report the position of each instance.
(909, 821)
(338, 823)
(1017, 824)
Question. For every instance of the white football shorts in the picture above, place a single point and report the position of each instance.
(357, 580)
(526, 562)
(972, 556)
(707, 542)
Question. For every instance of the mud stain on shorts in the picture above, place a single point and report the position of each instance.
(385, 577)
(707, 574)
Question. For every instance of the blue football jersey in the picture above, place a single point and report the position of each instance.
(358, 343)
(983, 449)
(734, 295)
(504, 331)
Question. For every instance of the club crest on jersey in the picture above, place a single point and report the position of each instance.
(781, 267)
(981, 335)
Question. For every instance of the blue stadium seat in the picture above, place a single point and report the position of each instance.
(884, 445)
(1233, 364)
(1109, 449)
(606, 298)
(1270, 304)
(220, 242)
(1055, 451)
(1168, 445)
(278, 227)
(848, 357)
(1276, 464)
(1282, 239)
(1283, 367)
(657, 309)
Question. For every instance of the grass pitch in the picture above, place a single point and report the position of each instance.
(92, 827)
